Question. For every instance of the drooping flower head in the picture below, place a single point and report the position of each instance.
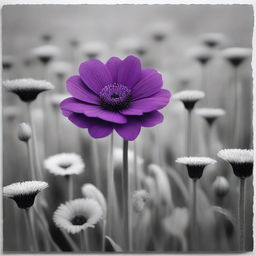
(189, 97)
(212, 40)
(140, 199)
(118, 95)
(210, 114)
(27, 88)
(77, 215)
(46, 53)
(195, 165)
(236, 55)
(241, 161)
(24, 132)
(90, 191)
(24, 193)
(220, 186)
(64, 164)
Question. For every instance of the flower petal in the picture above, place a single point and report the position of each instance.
(74, 105)
(155, 102)
(95, 75)
(113, 65)
(148, 86)
(151, 119)
(129, 72)
(80, 91)
(130, 130)
(147, 71)
(80, 120)
(100, 129)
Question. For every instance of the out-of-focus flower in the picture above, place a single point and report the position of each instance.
(7, 62)
(90, 191)
(118, 95)
(140, 199)
(64, 164)
(11, 112)
(213, 40)
(24, 132)
(189, 97)
(46, 53)
(176, 223)
(159, 31)
(27, 88)
(60, 68)
(241, 161)
(56, 99)
(210, 114)
(202, 55)
(236, 55)
(220, 186)
(74, 42)
(93, 50)
(46, 38)
(24, 193)
(77, 215)
(195, 165)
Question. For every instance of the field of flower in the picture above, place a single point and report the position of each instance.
(127, 128)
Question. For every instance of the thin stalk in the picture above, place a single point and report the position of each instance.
(34, 143)
(103, 235)
(241, 217)
(189, 132)
(235, 139)
(135, 165)
(126, 198)
(82, 241)
(209, 140)
(46, 229)
(183, 242)
(204, 84)
(70, 241)
(86, 239)
(110, 185)
(31, 228)
(194, 214)
(70, 187)
(58, 128)
(95, 160)
(30, 160)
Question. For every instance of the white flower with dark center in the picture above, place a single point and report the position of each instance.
(27, 88)
(24, 193)
(213, 40)
(195, 165)
(241, 161)
(236, 55)
(210, 114)
(56, 99)
(64, 164)
(46, 53)
(90, 191)
(220, 186)
(189, 97)
(202, 55)
(7, 62)
(60, 68)
(160, 31)
(140, 199)
(77, 215)
(93, 50)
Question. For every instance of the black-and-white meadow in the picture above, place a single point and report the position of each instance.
(127, 128)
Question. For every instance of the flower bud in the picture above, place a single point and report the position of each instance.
(24, 132)
(220, 186)
(140, 199)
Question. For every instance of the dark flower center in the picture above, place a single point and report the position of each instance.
(64, 166)
(79, 220)
(115, 97)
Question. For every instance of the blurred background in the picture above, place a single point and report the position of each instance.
(165, 37)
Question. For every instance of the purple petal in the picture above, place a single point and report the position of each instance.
(80, 91)
(148, 86)
(130, 130)
(113, 65)
(129, 72)
(100, 129)
(95, 75)
(80, 120)
(74, 105)
(155, 102)
(151, 119)
(147, 71)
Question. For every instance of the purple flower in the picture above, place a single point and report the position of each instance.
(118, 95)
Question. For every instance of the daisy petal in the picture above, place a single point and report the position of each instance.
(95, 75)
(151, 119)
(80, 91)
(129, 72)
(130, 130)
(113, 65)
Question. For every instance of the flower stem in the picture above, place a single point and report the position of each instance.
(31, 229)
(95, 161)
(135, 158)
(235, 140)
(70, 241)
(30, 160)
(126, 198)
(103, 234)
(241, 217)
(189, 126)
(194, 214)
(111, 185)
(82, 241)
(70, 187)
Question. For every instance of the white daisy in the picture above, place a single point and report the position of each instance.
(92, 50)
(90, 191)
(46, 53)
(202, 55)
(24, 193)
(236, 55)
(140, 199)
(77, 215)
(220, 186)
(210, 114)
(212, 39)
(27, 88)
(64, 164)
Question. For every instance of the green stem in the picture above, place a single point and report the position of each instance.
(241, 217)
(31, 229)
(189, 127)
(30, 161)
(194, 214)
(126, 198)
